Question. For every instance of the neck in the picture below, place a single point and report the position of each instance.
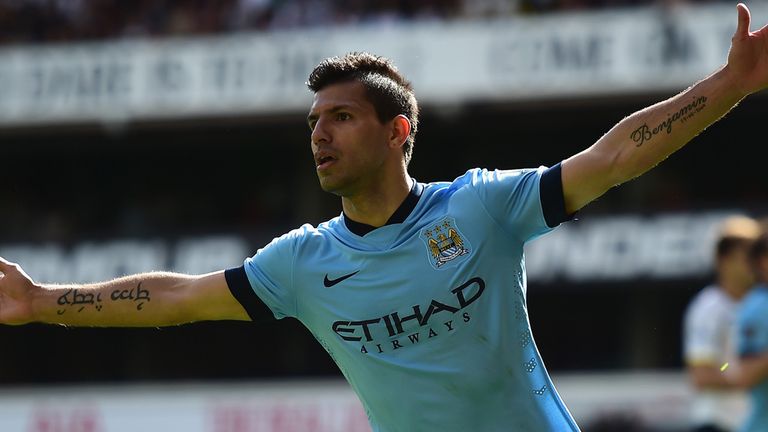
(734, 289)
(375, 205)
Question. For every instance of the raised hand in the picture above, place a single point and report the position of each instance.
(16, 294)
(748, 56)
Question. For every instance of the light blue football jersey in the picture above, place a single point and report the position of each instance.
(426, 316)
(753, 340)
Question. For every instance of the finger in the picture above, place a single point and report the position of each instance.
(762, 31)
(742, 29)
(5, 265)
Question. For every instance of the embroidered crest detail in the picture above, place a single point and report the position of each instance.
(444, 242)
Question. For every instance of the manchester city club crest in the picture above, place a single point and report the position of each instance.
(444, 242)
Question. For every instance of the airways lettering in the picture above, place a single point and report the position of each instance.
(464, 295)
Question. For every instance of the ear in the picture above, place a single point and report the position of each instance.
(401, 130)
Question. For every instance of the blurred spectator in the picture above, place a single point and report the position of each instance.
(38, 21)
(709, 329)
(752, 370)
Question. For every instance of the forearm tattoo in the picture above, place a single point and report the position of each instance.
(79, 300)
(644, 133)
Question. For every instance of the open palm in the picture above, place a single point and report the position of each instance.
(16, 290)
(748, 57)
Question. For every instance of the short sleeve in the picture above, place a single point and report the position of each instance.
(702, 335)
(270, 274)
(241, 290)
(517, 199)
(753, 326)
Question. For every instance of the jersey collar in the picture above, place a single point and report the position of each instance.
(399, 216)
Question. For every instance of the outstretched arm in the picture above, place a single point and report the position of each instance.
(647, 137)
(150, 299)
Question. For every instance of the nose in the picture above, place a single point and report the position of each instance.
(320, 133)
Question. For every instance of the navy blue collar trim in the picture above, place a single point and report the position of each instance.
(399, 216)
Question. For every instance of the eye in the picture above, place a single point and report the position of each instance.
(342, 116)
(312, 124)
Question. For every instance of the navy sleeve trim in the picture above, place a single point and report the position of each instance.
(242, 291)
(552, 198)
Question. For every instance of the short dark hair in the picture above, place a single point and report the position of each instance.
(759, 248)
(736, 233)
(727, 245)
(387, 90)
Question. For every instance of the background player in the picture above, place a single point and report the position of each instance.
(710, 329)
(361, 150)
(752, 370)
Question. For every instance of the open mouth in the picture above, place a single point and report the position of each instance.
(325, 161)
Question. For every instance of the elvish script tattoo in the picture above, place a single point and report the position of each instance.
(77, 298)
(644, 133)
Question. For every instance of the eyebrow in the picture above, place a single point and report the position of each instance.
(333, 109)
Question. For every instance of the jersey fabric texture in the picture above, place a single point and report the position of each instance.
(426, 317)
(753, 340)
(709, 339)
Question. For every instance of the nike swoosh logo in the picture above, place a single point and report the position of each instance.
(331, 282)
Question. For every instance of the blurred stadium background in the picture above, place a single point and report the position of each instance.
(168, 134)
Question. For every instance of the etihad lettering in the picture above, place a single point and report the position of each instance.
(395, 323)
(415, 338)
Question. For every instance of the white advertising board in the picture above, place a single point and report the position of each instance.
(607, 248)
(655, 398)
(569, 55)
